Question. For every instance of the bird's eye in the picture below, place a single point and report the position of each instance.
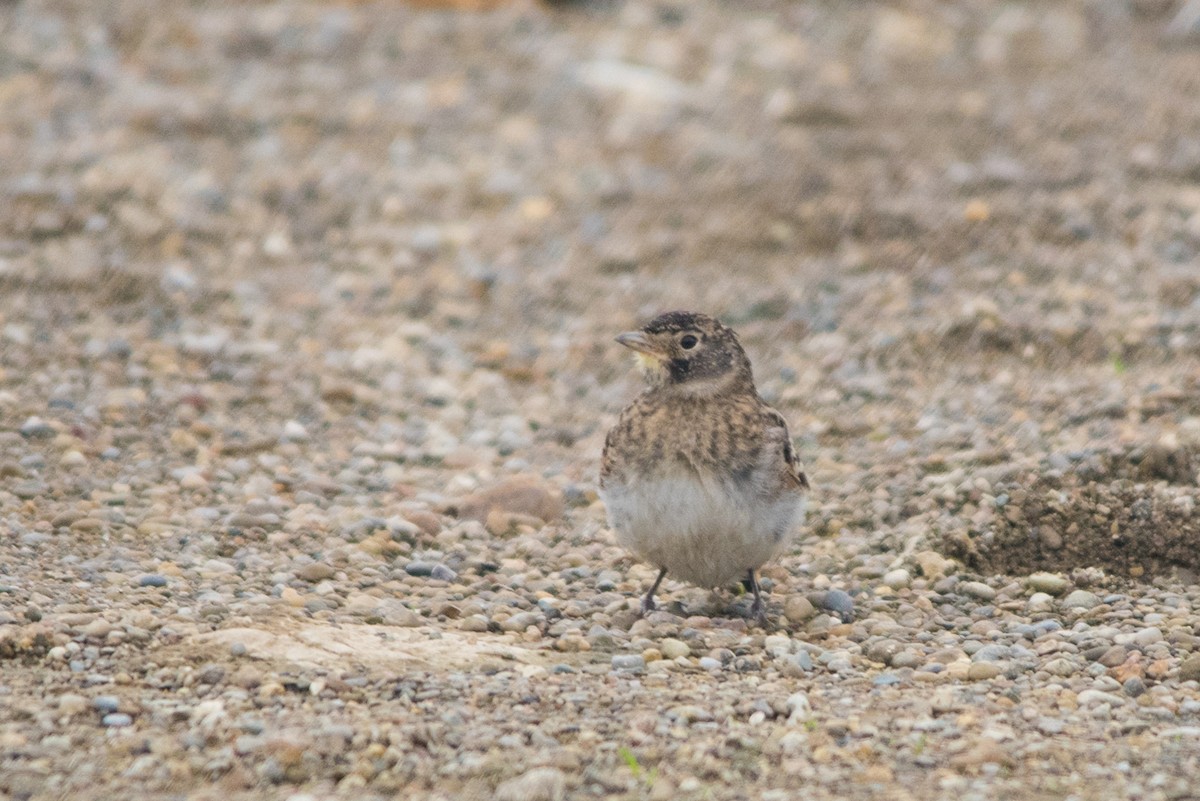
(688, 342)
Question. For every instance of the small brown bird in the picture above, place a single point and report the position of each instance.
(699, 475)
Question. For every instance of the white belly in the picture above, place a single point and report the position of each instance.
(709, 533)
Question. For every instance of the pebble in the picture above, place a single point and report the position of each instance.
(1081, 599)
(314, 572)
(977, 589)
(839, 602)
(538, 784)
(1189, 668)
(72, 704)
(628, 662)
(673, 649)
(897, 579)
(1049, 583)
(798, 609)
(117, 720)
(1049, 726)
(152, 580)
(798, 707)
(106, 703)
(36, 428)
(979, 671)
(440, 572)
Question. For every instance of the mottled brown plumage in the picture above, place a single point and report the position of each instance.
(699, 475)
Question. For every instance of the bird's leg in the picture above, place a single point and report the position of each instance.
(648, 604)
(758, 609)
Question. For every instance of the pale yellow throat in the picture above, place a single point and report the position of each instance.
(647, 362)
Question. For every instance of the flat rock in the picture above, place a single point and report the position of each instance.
(520, 495)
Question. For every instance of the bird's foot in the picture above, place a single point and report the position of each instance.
(758, 613)
(648, 605)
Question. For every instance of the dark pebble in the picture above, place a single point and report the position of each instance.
(152, 580)
(1134, 687)
(839, 602)
(419, 568)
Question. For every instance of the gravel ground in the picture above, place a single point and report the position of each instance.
(306, 319)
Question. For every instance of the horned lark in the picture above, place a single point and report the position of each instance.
(699, 476)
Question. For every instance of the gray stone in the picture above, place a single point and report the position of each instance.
(628, 662)
(1081, 599)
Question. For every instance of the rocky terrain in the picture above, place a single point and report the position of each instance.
(306, 359)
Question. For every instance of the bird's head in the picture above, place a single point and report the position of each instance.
(689, 352)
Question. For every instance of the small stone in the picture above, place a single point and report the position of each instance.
(1081, 599)
(1189, 669)
(1147, 636)
(1040, 602)
(72, 459)
(982, 671)
(106, 703)
(708, 663)
(36, 428)
(839, 602)
(689, 713)
(797, 609)
(290, 597)
(420, 568)
(294, 431)
(629, 662)
(1050, 583)
(539, 784)
(673, 649)
(1114, 656)
(897, 579)
(442, 573)
(1051, 726)
(882, 651)
(520, 495)
(1060, 666)
(152, 580)
(977, 589)
(116, 720)
(210, 674)
(797, 664)
(476, 623)
(932, 564)
(71, 704)
(1134, 686)
(799, 708)
(317, 571)
(521, 621)
(193, 481)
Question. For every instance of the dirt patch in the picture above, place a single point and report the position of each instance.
(1131, 513)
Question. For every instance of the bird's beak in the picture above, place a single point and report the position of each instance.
(639, 342)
